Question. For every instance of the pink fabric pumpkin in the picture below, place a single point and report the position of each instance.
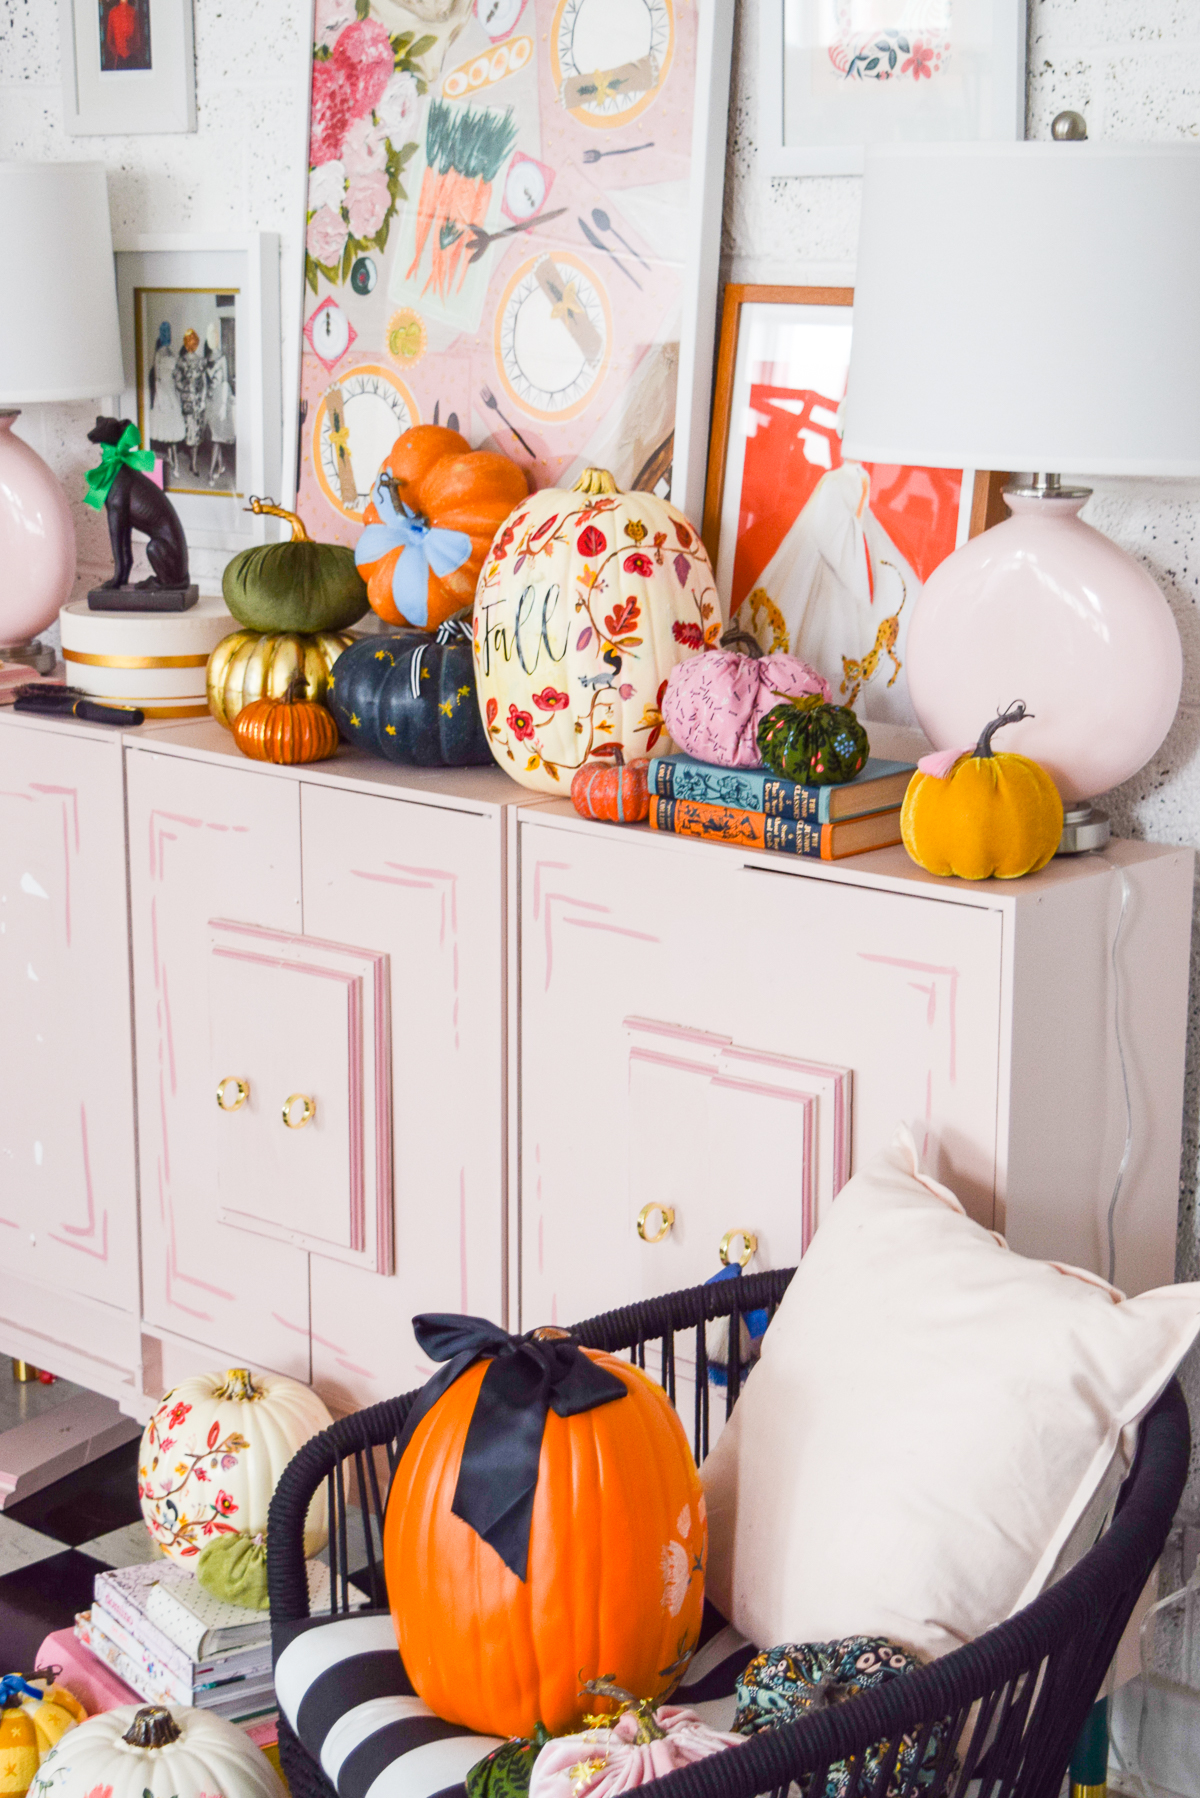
(715, 702)
(599, 1763)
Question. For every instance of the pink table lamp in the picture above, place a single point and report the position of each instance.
(59, 340)
(1033, 306)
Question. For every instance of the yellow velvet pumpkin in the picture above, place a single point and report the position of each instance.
(991, 814)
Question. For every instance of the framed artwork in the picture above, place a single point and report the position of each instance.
(513, 228)
(817, 556)
(127, 66)
(836, 75)
(197, 314)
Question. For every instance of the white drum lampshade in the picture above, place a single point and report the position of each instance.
(1033, 307)
(59, 340)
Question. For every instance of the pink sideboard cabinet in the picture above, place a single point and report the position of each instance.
(68, 1181)
(326, 942)
(727, 1033)
(512, 1047)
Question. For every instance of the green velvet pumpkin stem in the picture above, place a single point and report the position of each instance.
(1012, 714)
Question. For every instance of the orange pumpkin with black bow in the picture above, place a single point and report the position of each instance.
(611, 1582)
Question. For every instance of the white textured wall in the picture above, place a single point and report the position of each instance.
(1131, 66)
(242, 169)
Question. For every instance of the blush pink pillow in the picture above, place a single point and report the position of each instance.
(715, 702)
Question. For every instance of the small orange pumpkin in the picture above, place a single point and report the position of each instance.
(435, 507)
(287, 730)
(614, 1582)
(613, 790)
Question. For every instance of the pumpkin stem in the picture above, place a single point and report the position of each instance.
(259, 506)
(297, 688)
(734, 637)
(1013, 714)
(804, 702)
(239, 1384)
(595, 481)
(152, 1727)
(648, 1727)
(550, 1333)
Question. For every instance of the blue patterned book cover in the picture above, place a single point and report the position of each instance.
(880, 785)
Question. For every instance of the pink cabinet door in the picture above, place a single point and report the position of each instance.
(301, 1065)
(687, 1024)
(68, 1223)
(425, 885)
(206, 843)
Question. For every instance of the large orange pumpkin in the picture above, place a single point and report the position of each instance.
(614, 1582)
(435, 507)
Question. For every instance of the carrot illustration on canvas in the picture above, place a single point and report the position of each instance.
(464, 149)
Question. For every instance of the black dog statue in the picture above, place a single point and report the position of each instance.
(133, 502)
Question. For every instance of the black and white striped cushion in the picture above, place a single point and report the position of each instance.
(343, 1689)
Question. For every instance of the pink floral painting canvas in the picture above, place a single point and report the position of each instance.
(496, 238)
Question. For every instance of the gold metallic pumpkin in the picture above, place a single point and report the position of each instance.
(250, 665)
(993, 815)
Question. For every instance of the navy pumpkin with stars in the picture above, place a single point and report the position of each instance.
(411, 697)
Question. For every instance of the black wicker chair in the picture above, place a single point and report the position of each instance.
(1015, 1699)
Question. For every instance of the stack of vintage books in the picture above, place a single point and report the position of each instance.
(174, 1643)
(761, 810)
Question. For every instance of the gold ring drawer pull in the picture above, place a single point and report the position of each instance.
(666, 1213)
(307, 1115)
(749, 1247)
(241, 1093)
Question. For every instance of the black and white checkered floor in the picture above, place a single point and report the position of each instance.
(53, 1544)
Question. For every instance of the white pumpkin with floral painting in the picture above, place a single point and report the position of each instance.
(212, 1455)
(586, 602)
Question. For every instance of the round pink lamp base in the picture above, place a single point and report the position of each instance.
(1045, 609)
(37, 546)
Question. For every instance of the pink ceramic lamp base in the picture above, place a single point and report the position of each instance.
(1045, 609)
(37, 549)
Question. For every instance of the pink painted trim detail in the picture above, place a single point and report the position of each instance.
(334, 1348)
(703, 1068)
(462, 1237)
(842, 1079)
(680, 1031)
(88, 1229)
(809, 1103)
(927, 967)
(561, 867)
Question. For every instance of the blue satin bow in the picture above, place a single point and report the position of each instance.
(427, 548)
(11, 1688)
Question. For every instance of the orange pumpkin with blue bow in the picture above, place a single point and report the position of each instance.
(435, 506)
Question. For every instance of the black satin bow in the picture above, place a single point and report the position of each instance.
(527, 1378)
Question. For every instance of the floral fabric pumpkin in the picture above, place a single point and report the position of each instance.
(713, 705)
(435, 507)
(586, 603)
(786, 1683)
(640, 1745)
(157, 1751)
(813, 743)
(212, 1455)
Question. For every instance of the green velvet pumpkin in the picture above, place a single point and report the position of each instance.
(812, 742)
(295, 586)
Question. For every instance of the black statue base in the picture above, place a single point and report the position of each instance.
(143, 599)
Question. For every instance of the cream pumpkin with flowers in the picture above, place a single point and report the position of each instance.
(586, 602)
(212, 1455)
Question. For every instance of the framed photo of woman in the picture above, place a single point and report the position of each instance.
(816, 555)
(199, 336)
(127, 66)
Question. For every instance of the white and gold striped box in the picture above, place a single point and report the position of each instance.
(155, 660)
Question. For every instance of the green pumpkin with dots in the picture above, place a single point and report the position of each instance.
(812, 742)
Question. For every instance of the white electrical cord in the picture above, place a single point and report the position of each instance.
(1128, 1149)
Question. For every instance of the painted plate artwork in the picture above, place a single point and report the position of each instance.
(497, 237)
